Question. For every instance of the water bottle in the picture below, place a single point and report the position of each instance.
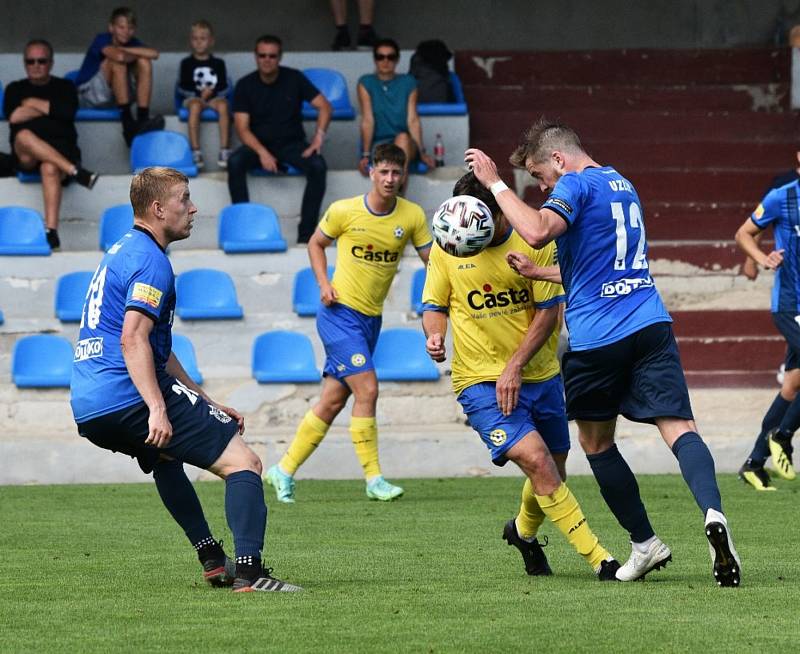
(438, 151)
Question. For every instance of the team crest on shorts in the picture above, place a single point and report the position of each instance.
(498, 436)
(358, 360)
(399, 232)
(219, 414)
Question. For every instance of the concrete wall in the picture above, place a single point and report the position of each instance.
(473, 24)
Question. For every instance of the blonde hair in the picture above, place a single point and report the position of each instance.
(203, 24)
(539, 140)
(153, 184)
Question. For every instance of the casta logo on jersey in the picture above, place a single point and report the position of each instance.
(488, 298)
(368, 253)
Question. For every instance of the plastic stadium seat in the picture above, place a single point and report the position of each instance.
(2, 318)
(417, 284)
(42, 360)
(183, 349)
(71, 292)
(114, 223)
(400, 356)
(456, 108)
(92, 114)
(332, 84)
(22, 232)
(305, 294)
(250, 227)
(208, 114)
(162, 148)
(206, 294)
(284, 357)
(2, 95)
(29, 176)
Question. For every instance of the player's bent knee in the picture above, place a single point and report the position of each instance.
(236, 457)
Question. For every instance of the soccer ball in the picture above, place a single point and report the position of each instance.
(463, 226)
(204, 78)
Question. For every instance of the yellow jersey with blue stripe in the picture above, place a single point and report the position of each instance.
(490, 308)
(369, 246)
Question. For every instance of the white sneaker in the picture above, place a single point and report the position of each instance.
(727, 565)
(640, 563)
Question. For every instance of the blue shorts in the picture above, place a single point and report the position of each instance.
(639, 376)
(349, 338)
(200, 432)
(790, 330)
(540, 408)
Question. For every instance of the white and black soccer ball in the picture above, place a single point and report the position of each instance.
(463, 226)
(204, 78)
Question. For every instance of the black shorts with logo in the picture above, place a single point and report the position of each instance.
(640, 377)
(200, 432)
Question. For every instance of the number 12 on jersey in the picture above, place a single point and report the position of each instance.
(634, 221)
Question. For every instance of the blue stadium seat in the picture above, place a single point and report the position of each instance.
(284, 357)
(456, 108)
(114, 222)
(42, 360)
(332, 84)
(29, 176)
(71, 292)
(250, 227)
(2, 96)
(183, 349)
(2, 318)
(162, 148)
(22, 232)
(206, 294)
(400, 356)
(208, 114)
(417, 284)
(92, 114)
(305, 294)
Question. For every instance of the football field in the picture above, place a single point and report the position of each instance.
(103, 568)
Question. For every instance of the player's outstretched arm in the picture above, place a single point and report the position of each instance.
(522, 265)
(434, 324)
(747, 242)
(319, 264)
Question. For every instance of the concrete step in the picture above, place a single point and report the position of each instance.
(732, 353)
(719, 324)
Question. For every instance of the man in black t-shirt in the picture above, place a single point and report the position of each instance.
(41, 117)
(267, 115)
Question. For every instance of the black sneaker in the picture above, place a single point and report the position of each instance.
(756, 476)
(532, 554)
(52, 239)
(152, 124)
(608, 570)
(218, 569)
(366, 37)
(86, 178)
(342, 39)
(252, 577)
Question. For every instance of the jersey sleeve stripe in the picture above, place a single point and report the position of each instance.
(143, 311)
(558, 299)
(423, 247)
(332, 238)
(559, 212)
(434, 307)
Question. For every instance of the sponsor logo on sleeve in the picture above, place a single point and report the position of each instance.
(759, 211)
(560, 204)
(147, 294)
(88, 348)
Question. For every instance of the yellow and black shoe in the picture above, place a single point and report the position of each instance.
(781, 450)
(756, 476)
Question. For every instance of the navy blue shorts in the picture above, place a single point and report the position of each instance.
(349, 338)
(789, 328)
(200, 432)
(640, 377)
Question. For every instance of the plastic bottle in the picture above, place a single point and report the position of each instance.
(438, 151)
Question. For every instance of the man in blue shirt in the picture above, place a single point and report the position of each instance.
(623, 358)
(778, 209)
(130, 394)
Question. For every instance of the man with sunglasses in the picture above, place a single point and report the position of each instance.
(388, 105)
(267, 115)
(41, 116)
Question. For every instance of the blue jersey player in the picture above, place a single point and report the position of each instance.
(623, 358)
(130, 394)
(780, 209)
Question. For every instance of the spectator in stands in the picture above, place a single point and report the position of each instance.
(267, 115)
(41, 114)
(116, 65)
(203, 82)
(366, 33)
(388, 104)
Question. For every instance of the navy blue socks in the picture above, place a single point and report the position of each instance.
(620, 490)
(178, 495)
(246, 512)
(697, 468)
(772, 418)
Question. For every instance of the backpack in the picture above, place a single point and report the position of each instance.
(429, 67)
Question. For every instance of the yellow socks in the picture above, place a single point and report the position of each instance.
(530, 516)
(310, 433)
(565, 512)
(364, 432)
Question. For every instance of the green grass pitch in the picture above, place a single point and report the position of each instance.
(104, 569)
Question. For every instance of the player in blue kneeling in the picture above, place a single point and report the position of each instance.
(623, 358)
(130, 394)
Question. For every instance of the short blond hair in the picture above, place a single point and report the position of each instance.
(542, 138)
(203, 24)
(153, 184)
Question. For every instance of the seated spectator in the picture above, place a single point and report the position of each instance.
(267, 115)
(389, 109)
(366, 33)
(203, 82)
(116, 65)
(41, 114)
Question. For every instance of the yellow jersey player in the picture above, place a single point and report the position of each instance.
(371, 233)
(507, 379)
